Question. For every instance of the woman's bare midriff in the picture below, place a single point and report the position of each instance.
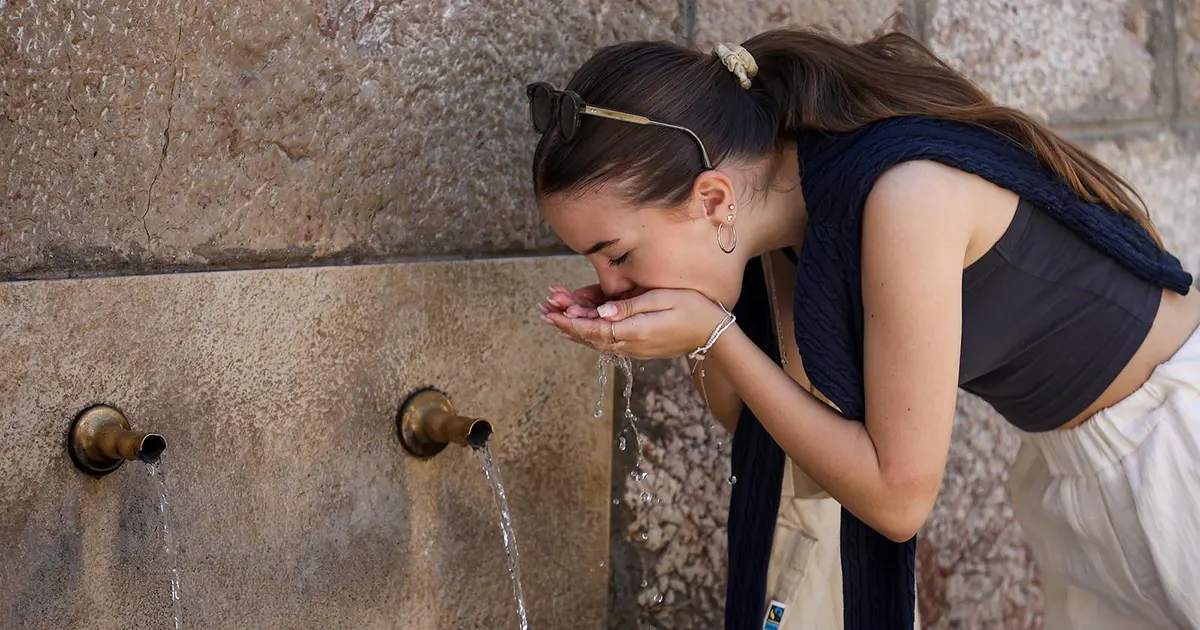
(1178, 317)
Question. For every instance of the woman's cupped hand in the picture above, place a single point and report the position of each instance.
(655, 324)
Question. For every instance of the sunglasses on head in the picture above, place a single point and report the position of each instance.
(564, 109)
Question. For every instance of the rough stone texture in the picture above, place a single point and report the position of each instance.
(292, 502)
(1163, 167)
(1066, 61)
(974, 568)
(148, 134)
(736, 21)
(1187, 28)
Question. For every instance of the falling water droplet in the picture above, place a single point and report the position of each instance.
(602, 563)
(601, 368)
(732, 479)
(626, 365)
(641, 368)
(621, 442)
(647, 497)
(645, 536)
(645, 584)
(616, 502)
(658, 598)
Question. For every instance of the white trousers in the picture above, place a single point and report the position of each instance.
(1111, 508)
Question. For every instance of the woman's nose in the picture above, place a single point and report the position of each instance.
(613, 284)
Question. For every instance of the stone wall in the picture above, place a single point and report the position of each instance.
(147, 135)
(1122, 78)
(141, 137)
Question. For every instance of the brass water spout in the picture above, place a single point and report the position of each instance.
(427, 422)
(101, 440)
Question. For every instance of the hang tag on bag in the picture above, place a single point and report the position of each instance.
(774, 619)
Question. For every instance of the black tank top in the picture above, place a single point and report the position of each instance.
(1048, 322)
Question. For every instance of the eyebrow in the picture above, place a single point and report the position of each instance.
(600, 245)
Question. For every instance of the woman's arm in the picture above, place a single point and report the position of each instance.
(722, 399)
(718, 393)
(887, 470)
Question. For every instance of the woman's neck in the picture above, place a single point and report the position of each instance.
(781, 216)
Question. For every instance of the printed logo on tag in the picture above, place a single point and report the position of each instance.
(774, 618)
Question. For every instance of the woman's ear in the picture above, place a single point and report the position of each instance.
(714, 197)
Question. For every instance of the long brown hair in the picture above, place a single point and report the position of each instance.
(806, 80)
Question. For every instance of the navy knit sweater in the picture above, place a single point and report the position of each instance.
(837, 173)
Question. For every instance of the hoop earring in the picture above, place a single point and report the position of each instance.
(732, 232)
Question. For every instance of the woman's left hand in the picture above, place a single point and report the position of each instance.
(658, 324)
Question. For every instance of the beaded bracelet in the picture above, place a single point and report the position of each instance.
(699, 353)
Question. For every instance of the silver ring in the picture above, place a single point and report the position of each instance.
(612, 326)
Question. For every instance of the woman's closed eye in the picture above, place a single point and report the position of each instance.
(619, 260)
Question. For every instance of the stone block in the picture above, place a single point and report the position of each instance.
(734, 21)
(1187, 29)
(672, 501)
(85, 88)
(291, 500)
(1162, 167)
(974, 568)
(150, 135)
(1067, 61)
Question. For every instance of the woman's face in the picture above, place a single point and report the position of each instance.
(637, 249)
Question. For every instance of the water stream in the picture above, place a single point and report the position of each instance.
(492, 472)
(156, 471)
(625, 364)
(638, 474)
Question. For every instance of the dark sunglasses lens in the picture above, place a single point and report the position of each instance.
(568, 116)
(540, 108)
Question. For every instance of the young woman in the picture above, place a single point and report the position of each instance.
(940, 241)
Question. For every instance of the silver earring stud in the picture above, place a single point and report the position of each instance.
(732, 233)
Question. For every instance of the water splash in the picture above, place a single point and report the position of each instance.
(156, 471)
(625, 364)
(602, 369)
(492, 472)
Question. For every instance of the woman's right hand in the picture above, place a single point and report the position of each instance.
(578, 303)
